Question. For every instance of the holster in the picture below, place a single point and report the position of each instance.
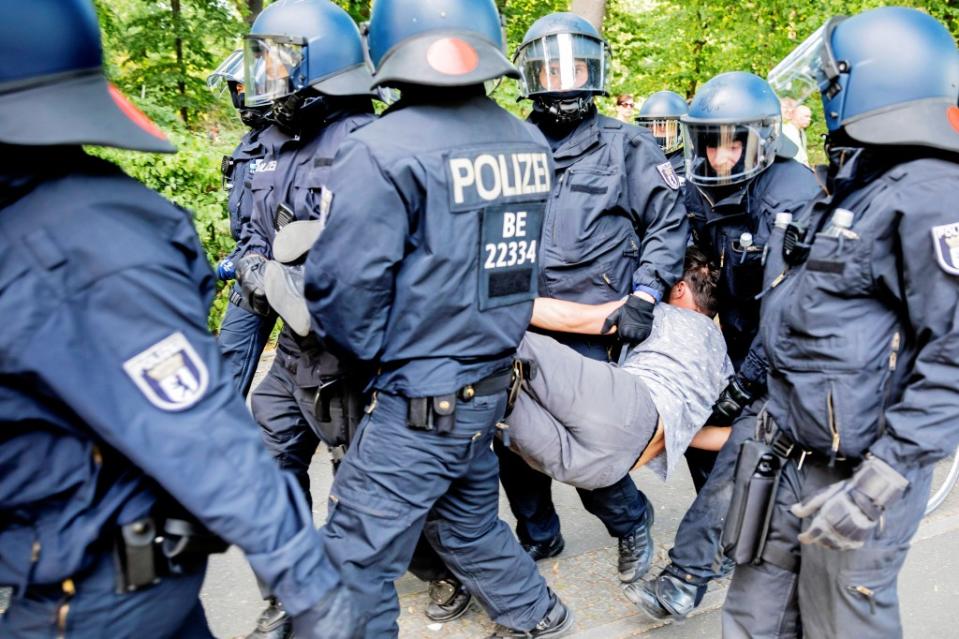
(432, 413)
(337, 430)
(758, 470)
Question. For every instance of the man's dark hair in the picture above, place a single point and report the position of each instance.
(702, 278)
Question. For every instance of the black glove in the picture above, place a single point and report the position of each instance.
(334, 617)
(250, 271)
(633, 320)
(734, 398)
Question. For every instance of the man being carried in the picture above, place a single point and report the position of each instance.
(587, 423)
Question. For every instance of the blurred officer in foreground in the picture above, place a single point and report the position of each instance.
(660, 114)
(862, 382)
(615, 227)
(740, 182)
(121, 425)
(243, 331)
(306, 59)
(427, 268)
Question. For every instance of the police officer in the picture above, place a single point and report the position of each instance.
(125, 448)
(615, 227)
(740, 181)
(305, 59)
(243, 332)
(660, 114)
(428, 268)
(862, 381)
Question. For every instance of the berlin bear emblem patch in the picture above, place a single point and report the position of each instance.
(669, 175)
(170, 374)
(946, 240)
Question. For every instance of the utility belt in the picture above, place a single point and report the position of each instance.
(151, 548)
(438, 413)
(337, 428)
(759, 468)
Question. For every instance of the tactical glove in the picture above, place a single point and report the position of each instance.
(633, 320)
(735, 397)
(845, 513)
(334, 617)
(250, 271)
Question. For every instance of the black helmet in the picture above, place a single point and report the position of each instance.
(443, 43)
(52, 88)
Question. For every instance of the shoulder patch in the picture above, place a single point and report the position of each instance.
(170, 374)
(946, 240)
(669, 175)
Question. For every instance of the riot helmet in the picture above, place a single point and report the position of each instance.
(52, 87)
(229, 76)
(439, 43)
(660, 114)
(298, 55)
(874, 91)
(563, 62)
(733, 130)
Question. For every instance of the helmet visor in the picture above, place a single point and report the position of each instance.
(667, 132)
(275, 67)
(810, 68)
(721, 154)
(230, 70)
(563, 62)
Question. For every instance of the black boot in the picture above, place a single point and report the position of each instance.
(558, 620)
(666, 597)
(636, 549)
(449, 600)
(273, 623)
(546, 549)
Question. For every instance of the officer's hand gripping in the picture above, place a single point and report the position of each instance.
(250, 271)
(633, 320)
(845, 513)
(734, 398)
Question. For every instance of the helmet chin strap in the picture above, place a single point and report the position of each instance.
(564, 109)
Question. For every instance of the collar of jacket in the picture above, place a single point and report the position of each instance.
(584, 137)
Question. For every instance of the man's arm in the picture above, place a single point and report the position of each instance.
(571, 317)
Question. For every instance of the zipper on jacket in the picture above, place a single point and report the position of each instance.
(63, 610)
(868, 593)
(833, 427)
(894, 345)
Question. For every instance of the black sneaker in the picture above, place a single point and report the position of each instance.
(666, 597)
(449, 600)
(546, 549)
(273, 623)
(556, 623)
(636, 550)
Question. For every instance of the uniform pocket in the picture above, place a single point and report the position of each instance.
(580, 226)
(743, 270)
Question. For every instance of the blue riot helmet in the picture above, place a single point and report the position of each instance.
(52, 87)
(660, 114)
(888, 76)
(229, 76)
(304, 47)
(442, 43)
(733, 130)
(563, 63)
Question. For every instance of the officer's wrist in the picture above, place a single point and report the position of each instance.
(648, 293)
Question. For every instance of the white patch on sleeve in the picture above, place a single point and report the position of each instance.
(170, 374)
(946, 241)
(669, 175)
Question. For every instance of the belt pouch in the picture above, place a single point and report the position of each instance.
(135, 554)
(417, 415)
(444, 413)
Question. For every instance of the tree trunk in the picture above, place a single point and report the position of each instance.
(592, 10)
(255, 7)
(180, 67)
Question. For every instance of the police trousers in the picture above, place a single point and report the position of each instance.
(170, 609)
(814, 592)
(396, 481)
(243, 336)
(696, 555)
